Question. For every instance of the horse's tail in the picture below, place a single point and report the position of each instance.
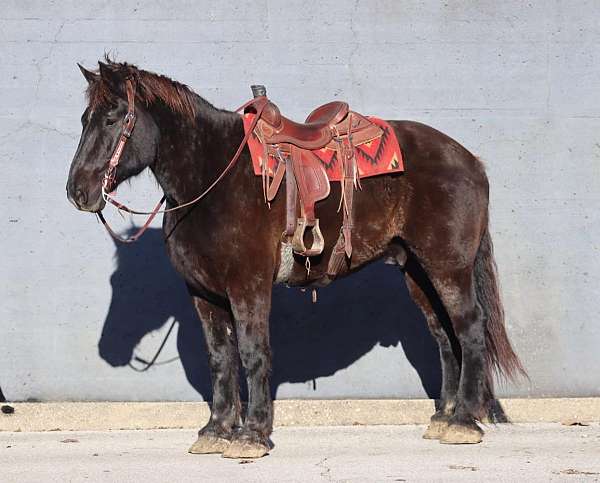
(500, 356)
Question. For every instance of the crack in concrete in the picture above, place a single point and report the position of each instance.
(38, 65)
(40, 127)
(354, 50)
(326, 470)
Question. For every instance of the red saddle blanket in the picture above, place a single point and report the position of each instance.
(379, 156)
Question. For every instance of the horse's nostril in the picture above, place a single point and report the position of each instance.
(80, 197)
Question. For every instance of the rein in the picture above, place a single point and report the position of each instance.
(110, 175)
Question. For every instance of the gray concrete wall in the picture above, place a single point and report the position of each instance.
(515, 82)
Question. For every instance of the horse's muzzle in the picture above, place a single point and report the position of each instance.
(83, 201)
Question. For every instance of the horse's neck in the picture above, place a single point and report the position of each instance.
(191, 156)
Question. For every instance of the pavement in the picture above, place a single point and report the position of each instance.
(510, 452)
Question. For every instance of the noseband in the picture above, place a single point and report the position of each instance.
(109, 180)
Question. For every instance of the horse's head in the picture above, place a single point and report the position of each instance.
(103, 121)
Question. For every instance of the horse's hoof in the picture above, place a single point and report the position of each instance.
(246, 449)
(460, 433)
(209, 445)
(435, 429)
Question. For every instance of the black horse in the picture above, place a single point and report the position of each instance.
(432, 220)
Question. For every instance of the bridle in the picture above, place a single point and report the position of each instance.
(109, 179)
(126, 129)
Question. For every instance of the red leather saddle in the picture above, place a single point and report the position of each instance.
(333, 126)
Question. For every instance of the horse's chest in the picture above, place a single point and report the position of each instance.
(195, 263)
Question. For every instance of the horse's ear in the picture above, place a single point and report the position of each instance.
(112, 77)
(88, 74)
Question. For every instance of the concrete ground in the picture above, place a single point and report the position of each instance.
(517, 452)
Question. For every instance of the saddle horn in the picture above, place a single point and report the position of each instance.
(259, 90)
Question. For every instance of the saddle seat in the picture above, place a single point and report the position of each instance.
(315, 133)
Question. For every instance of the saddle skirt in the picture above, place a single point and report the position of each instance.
(376, 156)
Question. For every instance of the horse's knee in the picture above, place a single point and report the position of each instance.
(256, 361)
(468, 323)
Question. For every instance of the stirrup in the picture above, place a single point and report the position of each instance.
(298, 240)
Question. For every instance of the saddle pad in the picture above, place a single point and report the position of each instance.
(379, 156)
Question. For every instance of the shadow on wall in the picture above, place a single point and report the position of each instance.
(309, 341)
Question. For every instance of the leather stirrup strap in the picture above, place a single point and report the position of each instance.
(291, 197)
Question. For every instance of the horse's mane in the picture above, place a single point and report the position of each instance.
(151, 88)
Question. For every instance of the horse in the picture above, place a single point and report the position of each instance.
(431, 220)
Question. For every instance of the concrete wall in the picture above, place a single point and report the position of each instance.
(515, 82)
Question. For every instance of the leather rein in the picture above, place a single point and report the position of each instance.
(126, 130)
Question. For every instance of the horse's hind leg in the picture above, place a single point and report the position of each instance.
(457, 292)
(219, 333)
(424, 295)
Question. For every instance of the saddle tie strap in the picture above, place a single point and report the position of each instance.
(350, 181)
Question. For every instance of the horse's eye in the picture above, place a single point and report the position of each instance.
(110, 121)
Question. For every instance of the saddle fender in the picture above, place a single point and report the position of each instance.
(313, 185)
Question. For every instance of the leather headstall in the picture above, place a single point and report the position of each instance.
(126, 130)
(108, 182)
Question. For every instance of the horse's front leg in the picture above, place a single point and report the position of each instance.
(223, 360)
(251, 310)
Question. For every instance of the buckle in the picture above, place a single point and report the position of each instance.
(128, 124)
(109, 179)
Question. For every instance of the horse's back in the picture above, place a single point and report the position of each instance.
(424, 148)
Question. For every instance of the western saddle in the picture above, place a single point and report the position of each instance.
(291, 144)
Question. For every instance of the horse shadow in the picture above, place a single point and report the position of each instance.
(309, 341)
